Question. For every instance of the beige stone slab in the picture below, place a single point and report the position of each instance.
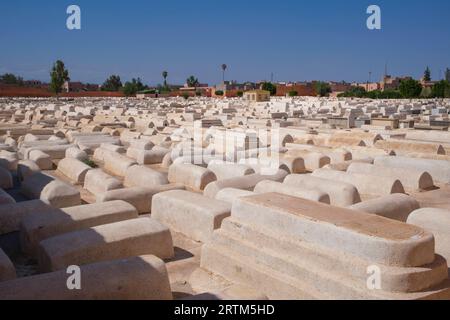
(139, 197)
(378, 239)
(43, 225)
(395, 206)
(436, 221)
(142, 176)
(194, 177)
(190, 213)
(73, 169)
(268, 186)
(117, 240)
(135, 278)
(366, 184)
(11, 215)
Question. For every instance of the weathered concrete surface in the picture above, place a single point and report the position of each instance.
(436, 221)
(142, 176)
(411, 179)
(438, 169)
(245, 182)
(268, 186)
(226, 170)
(98, 182)
(230, 194)
(193, 177)
(283, 246)
(43, 160)
(117, 164)
(73, 169)
(395, 206)
(50, 190)
(134, 278)
(26, 168)
(341, 194)
(37, 227)
(139, 197)
(190, 213)
(366, 184)
(11, 215)
(117, 240)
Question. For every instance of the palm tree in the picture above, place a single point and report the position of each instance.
(165, 74)
(192, 82)
(224, 68)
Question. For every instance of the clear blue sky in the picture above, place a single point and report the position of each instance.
(294, 39)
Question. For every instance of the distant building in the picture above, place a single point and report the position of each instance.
(257, 96)
(235, 86)
(33, 83)
(392, 83)
(339, 86)
(368, 86)
(80, 87)
(302, 89)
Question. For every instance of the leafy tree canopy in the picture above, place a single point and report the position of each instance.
(133, 87)
(323, 89)
(410, 88)
(269, 86)
(441, 89)
(9, 78)
(427, 74)
(192, 82)
(59, 75)
(113, 83)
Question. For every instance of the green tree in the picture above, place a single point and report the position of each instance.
(293, 93)
(391, 94)
(192, 82)
(410, 88)
(59, 75)
(240, 94)
(133, 87)
(269, 86)
(9, 78)
(354, 92)
(323, 89)
(224, 68)
(427, 74)
(219, 93)
(165, 74)
(441, 89)
(113, 83)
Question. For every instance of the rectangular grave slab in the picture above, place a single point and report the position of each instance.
(192, 214)
(135, 278)
(283, 246)
(117, 240)
(38, 227)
